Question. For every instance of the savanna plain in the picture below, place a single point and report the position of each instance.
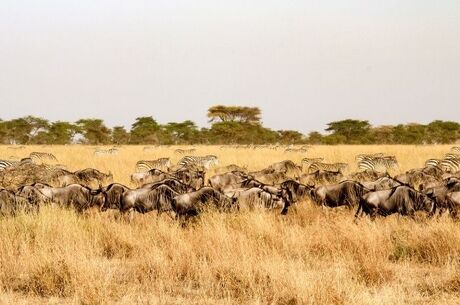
(313, 255)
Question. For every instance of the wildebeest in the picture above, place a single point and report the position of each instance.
(255, 198)
(367, 175)
(320, 177)
(286, 167)
(381, 184)
(453, 203)
(93, 178)
(401, 199)
(225, 182)
(230, 168)
(191, 204)
(11, 204)
(79, 196)
(346, 193)
(439, 194)
(32, 194)
(173, 183)
(113, 194)
(145, 200)
(298, 190)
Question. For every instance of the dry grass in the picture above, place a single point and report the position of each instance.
(312, 256)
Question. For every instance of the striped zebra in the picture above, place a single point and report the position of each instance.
(297, 150)
(9, 163)
(144, 166)
(185, 151)
(362, 157)
(452, 156)
(204, 161)
(101, 152)
(433, 162)
(332, 167)
(42, 157)
(450, 165)
(455, 149)
(306, 162)
(378, 164)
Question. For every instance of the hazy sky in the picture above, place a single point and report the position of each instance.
(304, 63)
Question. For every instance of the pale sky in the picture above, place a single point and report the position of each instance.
(304, 63)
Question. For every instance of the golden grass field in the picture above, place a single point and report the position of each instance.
(311, 256)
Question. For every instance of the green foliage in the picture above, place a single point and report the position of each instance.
(230, 125)
(145, 131)
(94, 131)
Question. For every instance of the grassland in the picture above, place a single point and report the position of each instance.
(312, 256)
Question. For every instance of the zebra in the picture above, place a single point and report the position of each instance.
(450, 165)
(306, 162)
(362, 157)
(42, 157)
(332, 167)
(298, 150)
(185, 151)
(388, 162)
(110, 151)
(205, 161)
(433, 162)
(451, 156)
(144, 166)
(455, 149)
(9, 163)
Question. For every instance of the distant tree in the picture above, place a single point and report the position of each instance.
(36, 125)
(144, 131)
(18, 131)
(234, 114)
(120, 135)
(94, 131)
(182, 133)
(3, 132)
(290, 137)
(315, 137)
(349, 131)
(443, 132)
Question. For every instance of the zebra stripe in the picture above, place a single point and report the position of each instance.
(143, 166)
(42, 157)
(363, 157)
(110, 151)
(450, 165)
(433, 162)
(452, 156)
(376, 164)
(6, 163)
(205, 161)
(455, 149)
(333, 167)
(185, 151)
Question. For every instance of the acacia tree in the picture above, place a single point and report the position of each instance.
(234, 114)
(120, 135)
(144, 131)
(94, 131)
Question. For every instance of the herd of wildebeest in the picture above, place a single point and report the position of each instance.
(185, 190)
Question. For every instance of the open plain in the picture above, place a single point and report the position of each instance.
(313, 255)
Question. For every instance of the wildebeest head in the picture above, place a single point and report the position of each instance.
(98, 198)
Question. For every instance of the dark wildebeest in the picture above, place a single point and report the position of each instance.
(381, 184)
(367, 175)
(439, 194)
(10, 204)
(113, 194)
(191, 204)
(401, 199)
(453, 202)
(65, 178)
(255, 198)
(32, 194)
(414, 178)
(93, 178)
(152, 176)
(227, 181)
(298, 190)
(346, 193)
(286, 167)
(320, 177)
(269, 176)
(146, 200)
(173, 183)
(230, 168)
(79, 196)
(194, 178)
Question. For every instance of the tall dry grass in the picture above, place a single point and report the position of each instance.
(311, 256)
